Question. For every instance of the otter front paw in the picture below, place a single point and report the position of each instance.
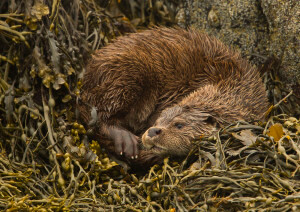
(125, 142)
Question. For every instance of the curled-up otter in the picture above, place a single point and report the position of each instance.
(166, 87)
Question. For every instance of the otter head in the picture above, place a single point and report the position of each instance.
(176, 127)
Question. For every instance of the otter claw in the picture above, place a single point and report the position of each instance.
(125, 142)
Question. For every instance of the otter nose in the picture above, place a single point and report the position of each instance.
(153, 132)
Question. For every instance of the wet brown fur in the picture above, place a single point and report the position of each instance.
(165, 76)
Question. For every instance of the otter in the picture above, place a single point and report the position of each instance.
(167, 86)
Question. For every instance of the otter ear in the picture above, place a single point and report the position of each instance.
(212, 121)
(187, 107)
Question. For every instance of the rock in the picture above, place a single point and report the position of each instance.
(255, 27)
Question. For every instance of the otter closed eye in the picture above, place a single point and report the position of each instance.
(178, 125)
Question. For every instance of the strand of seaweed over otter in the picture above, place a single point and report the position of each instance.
(167, 86)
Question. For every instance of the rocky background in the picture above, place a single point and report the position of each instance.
(258, 28)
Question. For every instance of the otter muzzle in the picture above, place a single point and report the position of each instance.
(149, 137)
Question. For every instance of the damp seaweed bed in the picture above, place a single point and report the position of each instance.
(48, 164)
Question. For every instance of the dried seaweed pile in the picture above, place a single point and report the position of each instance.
(48, 164)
